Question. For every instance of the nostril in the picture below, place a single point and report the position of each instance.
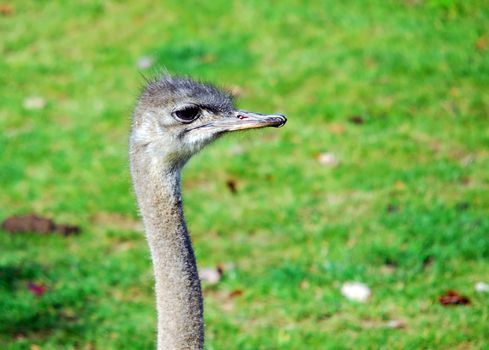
(240, 116)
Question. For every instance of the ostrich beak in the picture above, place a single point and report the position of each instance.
(242, 120)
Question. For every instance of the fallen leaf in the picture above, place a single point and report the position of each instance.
(481, 287)
(232, 186)
(336, 129)
(28, 223)
(356, 291)
(35, 347)
(34, 102)
(481, 44)
(6, 9)
(399, 185)
(67, 230)
(356, 119)
(37, 224)
(304, 284)
(328, 159)
(236, 293)
(220, 269)
(225, 267)
(452, 297)
(37, 289)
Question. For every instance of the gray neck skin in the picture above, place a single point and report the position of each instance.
(178, 291)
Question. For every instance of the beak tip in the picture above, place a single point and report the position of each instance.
(251, 120)
(281, 119)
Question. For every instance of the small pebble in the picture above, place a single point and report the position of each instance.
(328, 159)
(145, 62)
(395, 324)
(34, 102)
(356, 291)
(210, 275)
(481, 287)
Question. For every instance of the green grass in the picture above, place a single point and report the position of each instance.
(416, 71)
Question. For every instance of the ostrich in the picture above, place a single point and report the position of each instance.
(174, 118)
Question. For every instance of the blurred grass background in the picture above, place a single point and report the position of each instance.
(403, 206)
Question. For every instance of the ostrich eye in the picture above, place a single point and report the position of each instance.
(188, 114)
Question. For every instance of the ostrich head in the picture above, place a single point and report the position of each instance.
(177, 117)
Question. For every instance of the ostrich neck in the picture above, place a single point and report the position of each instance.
(178, 291)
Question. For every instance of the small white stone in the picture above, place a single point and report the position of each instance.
(34, 102)
(481, 287)
(328, 159)
(145, 62)
(210, 275)
(356, 291)
(395, 324)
